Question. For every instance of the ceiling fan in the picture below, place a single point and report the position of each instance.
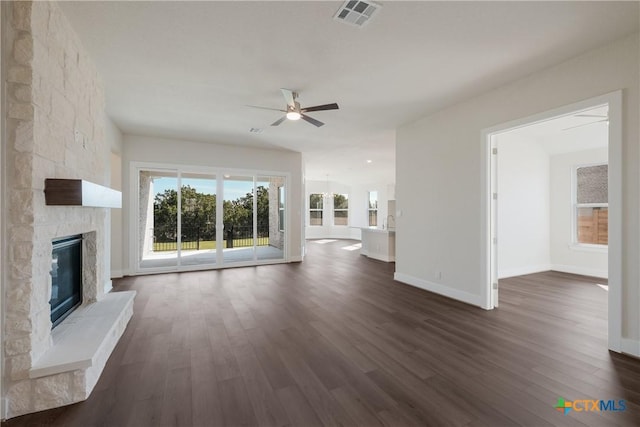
(295, 112)
(603, 118)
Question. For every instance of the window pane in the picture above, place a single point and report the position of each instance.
(341, 217)
(315, 201)
(315, 218)
(373, 200)
(340, 201)
(281, 208)
(592, 184)
(593, 225)
(373, 218)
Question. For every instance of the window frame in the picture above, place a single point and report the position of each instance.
(281, 213)
(312, 209)
(370, 209)
(575, 206)
(346, 196)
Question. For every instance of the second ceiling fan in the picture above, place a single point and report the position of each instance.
(295, 112)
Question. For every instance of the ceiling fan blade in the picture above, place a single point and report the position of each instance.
(280, 120)
(311, 120)
(267, 108)
(333, 106)
(586, 124)
(289, 97)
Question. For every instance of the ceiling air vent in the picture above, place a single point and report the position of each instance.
(356, 12)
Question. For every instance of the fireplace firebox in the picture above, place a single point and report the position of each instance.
(66, 277)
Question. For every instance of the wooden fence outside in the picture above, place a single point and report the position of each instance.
(594, 228)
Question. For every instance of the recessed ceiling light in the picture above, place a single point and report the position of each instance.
(369, 161)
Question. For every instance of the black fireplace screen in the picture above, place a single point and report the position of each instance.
(66, 277)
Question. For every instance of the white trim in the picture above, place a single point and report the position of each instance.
(118, 274)
(583, 271)
(615, 219)
(630, 347)
(108, 286)
(521, 271)
(587, 247)
(440, 289)
(614, 102)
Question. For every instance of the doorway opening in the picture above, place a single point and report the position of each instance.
(553, 194)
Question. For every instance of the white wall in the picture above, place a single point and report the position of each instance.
(210, 155)
(564, 255)
(358, 208)
(114, 216)
(440, 158)
(117, 261)
(523, 206)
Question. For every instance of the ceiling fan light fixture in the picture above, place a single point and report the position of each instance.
(293, 115)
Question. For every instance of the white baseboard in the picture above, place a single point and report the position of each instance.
(108, 286)
(439, 289)
(117, 274)
(521, 271)
(584, 271)
(630, 347)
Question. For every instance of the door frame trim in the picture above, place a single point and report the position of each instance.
(614, 101)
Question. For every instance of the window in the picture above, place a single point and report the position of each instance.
(315, 209)
(373, 208)
(340, 209)
(591, 205)
(281, 208)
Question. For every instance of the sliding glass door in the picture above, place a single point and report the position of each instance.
(239, 236)
(198, 219)
(270, 217)
(158, 219)
(182, 226)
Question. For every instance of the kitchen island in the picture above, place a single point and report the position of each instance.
(379, 243)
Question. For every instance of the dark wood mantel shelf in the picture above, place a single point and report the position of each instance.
(78, 192)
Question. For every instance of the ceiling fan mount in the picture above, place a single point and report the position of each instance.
(293, 110)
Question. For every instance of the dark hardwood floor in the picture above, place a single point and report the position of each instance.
(335, 341)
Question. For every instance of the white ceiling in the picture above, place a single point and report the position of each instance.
(188, 70)
(578, 131)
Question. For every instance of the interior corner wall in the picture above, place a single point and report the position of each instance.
(565, 256)
(523, 206)
(440, 158)
(114, 140)
(212, 155)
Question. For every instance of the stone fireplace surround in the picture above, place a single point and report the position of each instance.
(53, 94)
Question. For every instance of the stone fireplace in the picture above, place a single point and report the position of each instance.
(55, 129)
